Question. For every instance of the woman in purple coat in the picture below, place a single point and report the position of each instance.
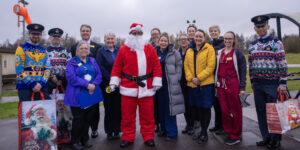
(82, 73)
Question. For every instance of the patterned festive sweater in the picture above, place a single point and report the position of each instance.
(267, 62)
(58, 57)
(32, 66)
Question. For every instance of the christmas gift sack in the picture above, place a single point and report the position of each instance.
(283, 115)
(37, 124)
(64, 117)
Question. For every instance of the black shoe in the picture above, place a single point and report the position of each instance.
(273, 144)
(213, 129)
(220, 132)
(109, 136)
(196, 124)
(161, 134)
(230, 141)
(169, 138)
(77, 146)
(203, 139)
(116, 136)
(94, 134)
(191, 131)
(196, 136)
(87, 144)
(150, 143)
(125, 143)
(264, 142)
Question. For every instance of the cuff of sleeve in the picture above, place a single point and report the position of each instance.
(43, 84)
(242, 88)
(282, 82)
(32, 84)
(157, 81)
(114, 80)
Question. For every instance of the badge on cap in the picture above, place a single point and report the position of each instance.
(56, 31)
(36, 27)
(258, 19)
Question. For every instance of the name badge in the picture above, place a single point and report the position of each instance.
(92, 46)
(229, 58)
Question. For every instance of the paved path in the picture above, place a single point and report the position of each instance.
(9, 136)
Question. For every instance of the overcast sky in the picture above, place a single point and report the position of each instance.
(168, 15)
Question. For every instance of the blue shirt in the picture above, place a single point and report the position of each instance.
(86, 69)
(112, 54)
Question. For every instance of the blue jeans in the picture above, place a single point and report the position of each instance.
(265, 93)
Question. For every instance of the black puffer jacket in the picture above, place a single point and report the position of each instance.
(217, 43)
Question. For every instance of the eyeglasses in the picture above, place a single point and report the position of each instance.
(184, 39)
(228, 39)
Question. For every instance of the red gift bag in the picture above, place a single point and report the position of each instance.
(37, 124)
(283, 115)
(64, 117)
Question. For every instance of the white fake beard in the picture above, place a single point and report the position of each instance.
(135, 42)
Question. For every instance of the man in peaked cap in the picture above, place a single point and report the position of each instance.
(268, 77)
(138, 83)
(58, 57)
(32, 66)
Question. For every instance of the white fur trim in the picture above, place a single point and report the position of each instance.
(27, 121)
(35, 132)
(133, 92)
(292, 121)
(157, 81)
(137, 28)
(142, 69)
(114, 80)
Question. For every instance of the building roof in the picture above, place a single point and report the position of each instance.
(6, 50)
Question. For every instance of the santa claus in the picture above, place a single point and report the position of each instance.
(137, 72)
(38, 133)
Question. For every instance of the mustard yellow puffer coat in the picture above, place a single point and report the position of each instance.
(205, 65)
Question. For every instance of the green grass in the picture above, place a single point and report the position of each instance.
(9, 93)
(290, 58)
(292, 85)
(8, 110)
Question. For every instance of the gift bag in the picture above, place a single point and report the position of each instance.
(37, 124)
(64, 117)
(283, 115)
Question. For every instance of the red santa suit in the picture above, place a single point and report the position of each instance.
(137, 63)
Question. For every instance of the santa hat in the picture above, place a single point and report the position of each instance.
(136, 27)
(30, 113)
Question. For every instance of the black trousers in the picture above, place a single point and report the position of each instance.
(112, 118)
(265, 93)
(81, 122)
(25, 95)
(204, 116)
(188, 110)
(218, 114)
(96, 117)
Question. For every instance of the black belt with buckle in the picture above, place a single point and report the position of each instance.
(137, 79)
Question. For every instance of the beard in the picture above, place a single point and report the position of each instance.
(135, 42)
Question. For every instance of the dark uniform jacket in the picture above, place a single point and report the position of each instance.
(93, 49)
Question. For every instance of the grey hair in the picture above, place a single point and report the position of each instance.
(215, 26)
(109, 34)
(79, 44)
